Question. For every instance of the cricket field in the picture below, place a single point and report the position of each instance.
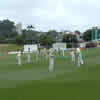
(34, 82)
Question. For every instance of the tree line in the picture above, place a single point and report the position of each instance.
(8, 34)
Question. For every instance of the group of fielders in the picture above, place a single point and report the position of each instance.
(75, 53)
(36, 54)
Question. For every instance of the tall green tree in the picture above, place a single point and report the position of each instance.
(67, 38)
(87, 35)
(19, 40)
(47, 40)
(70, 39)
(7, 30)
(53, 33)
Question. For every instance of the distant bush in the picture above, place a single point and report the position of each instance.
(19, 40)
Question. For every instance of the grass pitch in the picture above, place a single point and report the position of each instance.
(34, 82)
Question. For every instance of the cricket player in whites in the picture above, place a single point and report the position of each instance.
(19, 55)
(79, 56)
(51, 60)
(28, 56)
(73, 55)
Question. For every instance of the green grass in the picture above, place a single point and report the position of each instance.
(34, 82)
(10, 47)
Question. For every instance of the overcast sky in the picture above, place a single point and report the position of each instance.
(52, 14)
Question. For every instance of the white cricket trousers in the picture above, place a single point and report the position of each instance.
(19, 60)
(80, 60)
(73, 58)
